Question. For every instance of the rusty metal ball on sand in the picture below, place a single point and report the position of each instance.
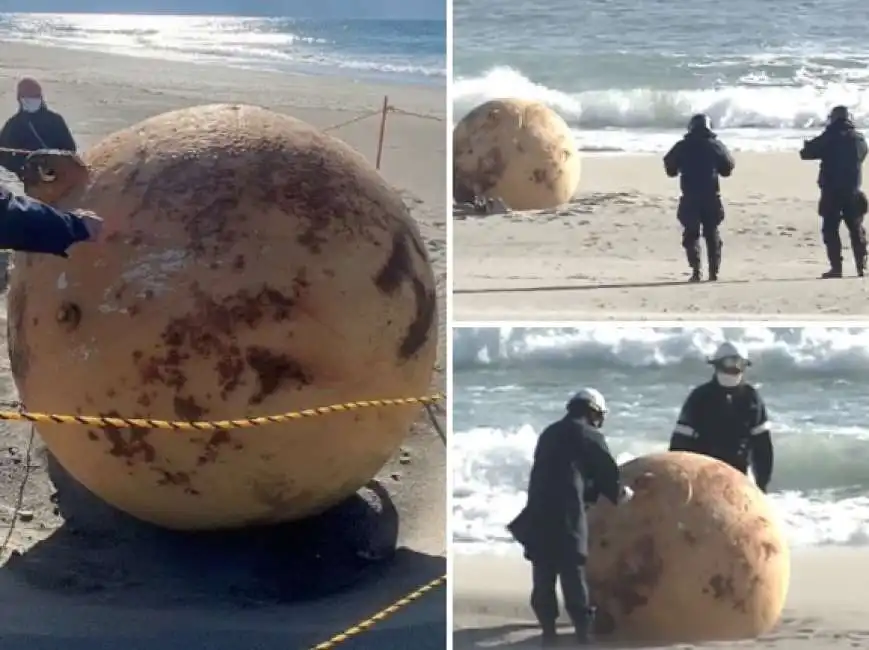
(251, 265)
(697, 555)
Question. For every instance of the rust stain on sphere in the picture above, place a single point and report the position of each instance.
(697, 556)
(516, 150)
(252, 265)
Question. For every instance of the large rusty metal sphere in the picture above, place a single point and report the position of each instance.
(251, 265)
(516, 150)
(698, 555)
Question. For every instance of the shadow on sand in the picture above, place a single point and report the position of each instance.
(102, 551)
(526, 636)
(498, 636)
(657, 284)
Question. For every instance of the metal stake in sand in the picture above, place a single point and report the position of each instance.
(382, 130)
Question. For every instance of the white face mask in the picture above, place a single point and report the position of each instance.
(30, 104)
(728, 381)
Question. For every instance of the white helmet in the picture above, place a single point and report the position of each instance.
(590, 397)
(730, 351)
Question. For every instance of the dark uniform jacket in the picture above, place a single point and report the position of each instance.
(700, 157)
(33, 227)
(43, 129)
(841, 148)
(572, 467)
(730, 424)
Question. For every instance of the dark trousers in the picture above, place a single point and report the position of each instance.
(574, 588)
(850, 208)
(701, 215)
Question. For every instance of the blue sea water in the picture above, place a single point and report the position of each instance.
(628, 75)
(399, 51)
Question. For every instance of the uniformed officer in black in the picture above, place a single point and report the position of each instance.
(726, 418)
(572, 467)
(841, 148)
(699, 159)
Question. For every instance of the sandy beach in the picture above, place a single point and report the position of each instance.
(614, 253)
(110, 582)
(826, 607)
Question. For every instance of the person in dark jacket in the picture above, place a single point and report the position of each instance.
(699, 159)
(29, 226)
(841, 148)
(33, 127)
(726, 418)
(572, 467)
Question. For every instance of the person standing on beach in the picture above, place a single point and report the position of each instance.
(699, 158)
(33, 127)
(726, 418)
(841, 148)
(572, 467)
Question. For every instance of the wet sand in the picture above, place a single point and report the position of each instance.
(77, 574)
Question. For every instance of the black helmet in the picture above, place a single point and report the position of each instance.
(700, 122)
(839, 114)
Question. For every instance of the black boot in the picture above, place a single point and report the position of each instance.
(692, 254)
(834, 256)
(713, 269)
(714, 255)
(549, 639)
(585, 629)
(857, 234)
(860, 263)
(835, 267)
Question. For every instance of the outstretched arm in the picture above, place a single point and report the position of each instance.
(601, 467)
(814, 149)
(30, 226)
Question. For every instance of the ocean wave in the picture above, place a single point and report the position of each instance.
(753, 104)
(832, 462)
(822, 350)
(818, 488)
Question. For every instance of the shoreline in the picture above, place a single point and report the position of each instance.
(364, 77)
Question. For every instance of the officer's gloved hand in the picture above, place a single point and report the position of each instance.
(92, 223)
(626, 495)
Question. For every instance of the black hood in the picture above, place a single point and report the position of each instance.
(841, 125)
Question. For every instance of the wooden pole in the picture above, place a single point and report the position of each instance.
(382, 130)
